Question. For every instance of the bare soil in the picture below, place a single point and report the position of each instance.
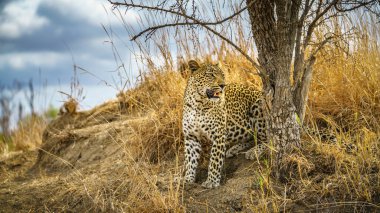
(92, 143)
(87, 164)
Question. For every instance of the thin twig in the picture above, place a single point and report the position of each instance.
(194, 22)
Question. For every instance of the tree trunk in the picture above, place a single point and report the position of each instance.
(284, 128)
(301, 89)
(274, 39)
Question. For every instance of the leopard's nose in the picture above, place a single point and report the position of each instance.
(222, 86)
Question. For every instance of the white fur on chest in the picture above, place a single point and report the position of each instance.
(197, 122)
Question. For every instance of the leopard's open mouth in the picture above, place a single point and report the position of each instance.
(213, 93)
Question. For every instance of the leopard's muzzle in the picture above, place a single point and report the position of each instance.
(215, 93)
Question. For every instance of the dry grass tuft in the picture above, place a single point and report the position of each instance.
(28, 133)
(346, 86)
(132, 187)
(155, 109)
(70, 106)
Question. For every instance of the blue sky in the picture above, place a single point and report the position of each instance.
(42, 39)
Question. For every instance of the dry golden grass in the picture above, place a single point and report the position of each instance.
(26, 136)
(345, 93)
(347, 86)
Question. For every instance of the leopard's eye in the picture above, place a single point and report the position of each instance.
(207, 74)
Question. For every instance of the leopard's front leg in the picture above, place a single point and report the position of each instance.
(218, 151)
(192, 154)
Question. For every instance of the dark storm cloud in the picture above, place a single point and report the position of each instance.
(3, 3)
(60, 30)
(67, 34)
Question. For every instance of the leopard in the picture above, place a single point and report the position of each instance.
(225, 115)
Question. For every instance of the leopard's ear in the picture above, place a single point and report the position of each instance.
(193, 65)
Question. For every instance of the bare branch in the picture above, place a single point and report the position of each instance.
(317, 17)
(356, 5)
(194, 22)
(298, 52)
(256, 65)
(183, 14)
(306, 10)
(320, 45)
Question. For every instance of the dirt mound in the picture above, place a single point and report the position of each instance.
(84, 164)
(87, 163)
(126, 156)
(83, 138)
(15, 165)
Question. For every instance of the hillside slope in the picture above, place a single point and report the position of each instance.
(100, 160)
(126, 155)
(84, 164)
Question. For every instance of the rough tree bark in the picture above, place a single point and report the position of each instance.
(274, 37)
(301, 89)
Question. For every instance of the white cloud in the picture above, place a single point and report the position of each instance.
(19, 18)
(19, 61)
(94, 12)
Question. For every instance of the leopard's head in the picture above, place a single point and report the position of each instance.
(207, 80)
